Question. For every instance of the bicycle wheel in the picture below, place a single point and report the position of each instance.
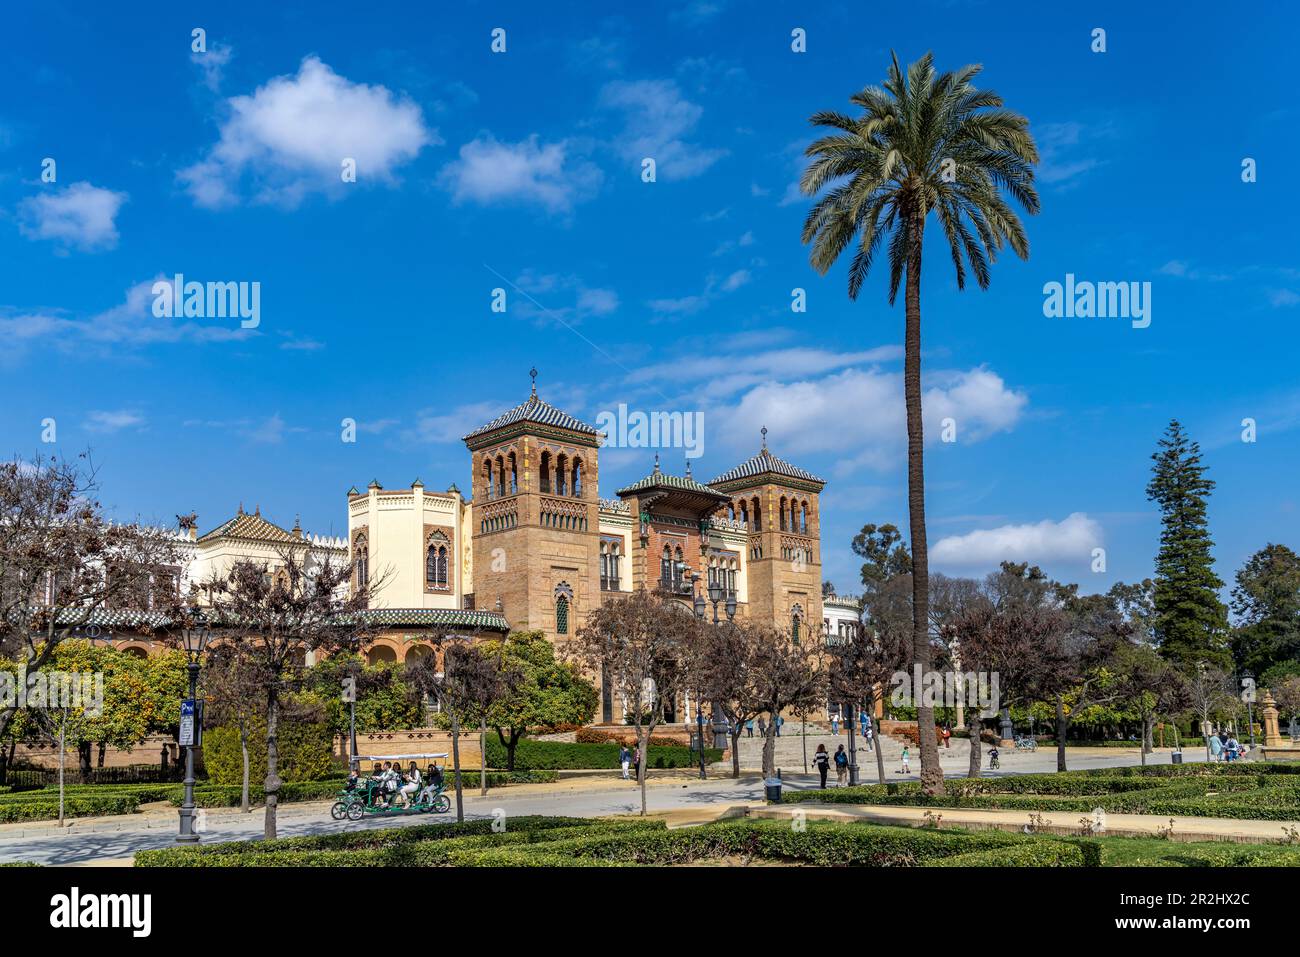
(356, 811)
(339, 811)
(441, 804)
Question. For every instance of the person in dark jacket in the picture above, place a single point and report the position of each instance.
(822, 761)
(842, 766)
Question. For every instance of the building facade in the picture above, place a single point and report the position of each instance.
(537, 544)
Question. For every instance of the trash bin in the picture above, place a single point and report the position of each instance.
(1178, 757)
(773, 788)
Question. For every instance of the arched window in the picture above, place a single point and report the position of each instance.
(796, 620)
(782, 525)
(487, 477)
(361, 555)
(666, 566)
(431, 565)
(758, 515)
(744, 512)
(563, 599)
(577, 478)
(501, 476)
(442, 566)
(514, 475)
(561, 467)
(544, 472)
(804, 526)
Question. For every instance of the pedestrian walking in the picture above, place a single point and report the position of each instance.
(947, 736)
(869, 734)
(907, 757)
(835, 723)
(822, 762)
(636, 761)
(625, 759)
(762, 728)
(749, 728)
(779, 721)
(862, 723)
(842, 766)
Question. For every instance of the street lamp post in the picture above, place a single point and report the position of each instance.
(1248, 692)
(716, 595)
(194, 638)
(853, 750)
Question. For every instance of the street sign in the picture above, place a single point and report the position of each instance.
(187, 723)
(349, 690)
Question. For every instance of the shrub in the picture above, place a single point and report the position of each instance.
(561, 756)
(306, 753)
(46, 809)
(1030, 854)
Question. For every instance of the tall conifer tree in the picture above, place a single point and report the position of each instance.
(1191, 623)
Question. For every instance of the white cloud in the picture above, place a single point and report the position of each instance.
(213, 64)
(113, 421)
(551, 296)
(488, 171)
(714, 289)
(657, 117)
(1070, 540)
(131, 323)
(1062, 149)
(862, 410)
(291, 135)
(1283, 297)
(79, 215)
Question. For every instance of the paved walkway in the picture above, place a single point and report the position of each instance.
(115, 839)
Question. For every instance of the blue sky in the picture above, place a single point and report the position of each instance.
(522, 170)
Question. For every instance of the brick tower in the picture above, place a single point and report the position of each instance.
(535, 532)
(780, 504)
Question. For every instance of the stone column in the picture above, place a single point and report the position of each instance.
(1268, 715)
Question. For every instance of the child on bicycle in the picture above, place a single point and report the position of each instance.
(993, 758)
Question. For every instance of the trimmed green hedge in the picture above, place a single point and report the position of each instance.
(1246, 792)
(563, 756)
(45, 810)
(1043, 853)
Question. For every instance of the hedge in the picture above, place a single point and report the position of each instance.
(1261, 792)
(562, 756)
(306, 753)
(1043, 853)
(45, 809)
(367, 840)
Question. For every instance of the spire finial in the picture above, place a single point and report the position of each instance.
(241, 509)
(688, 468)
(764, 430)
(656, 463)
(533, 372)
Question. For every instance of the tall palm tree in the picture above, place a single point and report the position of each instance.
(924, 143)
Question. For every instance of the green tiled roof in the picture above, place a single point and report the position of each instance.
(664, 480)
(435, 617)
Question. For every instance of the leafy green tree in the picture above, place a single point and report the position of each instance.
(140, 698)
(924, 143)
(546, 693)
(1190, 623)
(1266, 601)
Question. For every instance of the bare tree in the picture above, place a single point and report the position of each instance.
(1210, 692)
(1151, 686)
(1022, 643)
(862, 663)
(275, 616)
(62, 563)
(641, 643)
(789, 674)
(234, 694)
(468, 683)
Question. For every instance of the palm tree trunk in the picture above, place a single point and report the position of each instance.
(931, 772)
